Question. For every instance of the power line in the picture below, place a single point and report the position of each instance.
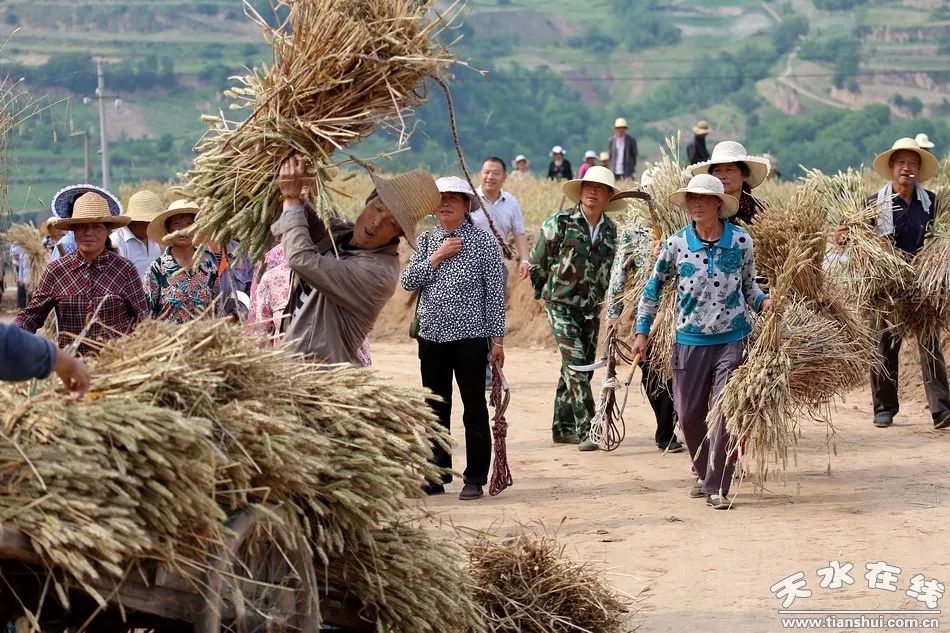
(810, 75)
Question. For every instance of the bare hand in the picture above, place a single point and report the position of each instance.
(293, 179)
(523, 270)
(73, 372)
(655, 247)
(766, 308)
(640, 346)
(448, 249)
(841, 235)
(497, 355)
(611, 325)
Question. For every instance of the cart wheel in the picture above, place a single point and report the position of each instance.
(267, 581)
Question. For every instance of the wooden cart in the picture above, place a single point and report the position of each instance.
(258, 586)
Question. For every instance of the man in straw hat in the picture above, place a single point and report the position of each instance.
(739, 173)
(906, 211)
(696, 151)
(622, 150)
(711, 264)
(24, 356)
(633, 242)
(341, 284)
(95, 293)
(132, 241)
(570, 270)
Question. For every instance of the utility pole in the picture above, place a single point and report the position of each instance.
(87, 167)
(103, 141)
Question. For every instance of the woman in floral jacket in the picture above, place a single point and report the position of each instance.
(176, 289)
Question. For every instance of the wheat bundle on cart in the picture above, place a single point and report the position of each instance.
(340, 69)
(188, 426)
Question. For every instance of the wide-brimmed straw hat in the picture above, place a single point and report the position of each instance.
(732, 152)
(707, 185)
(454, 184)
(557, 149)
(63, 201)
(701, 128)
(91, 208)
(409, 197)
(144, 206)
(620, 122)
(929, 166)
(924, 141)
(157, 229)
(600, 175)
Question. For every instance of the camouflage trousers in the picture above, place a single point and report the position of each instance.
(576, 338)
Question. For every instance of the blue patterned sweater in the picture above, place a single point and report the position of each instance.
(713, 286)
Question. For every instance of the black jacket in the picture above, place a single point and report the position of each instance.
(696, 151)
(564, 172)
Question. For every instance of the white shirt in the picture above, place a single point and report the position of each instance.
(619, 144)
(140, 253)
(505, 214)
(594, 228)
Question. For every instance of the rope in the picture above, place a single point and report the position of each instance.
(499, 399)
(607, 428)
(505, 247)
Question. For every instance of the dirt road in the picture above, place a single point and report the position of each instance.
(887, 498)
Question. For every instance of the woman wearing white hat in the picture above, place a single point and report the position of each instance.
(520, 171)
(457, 270)
(739, 173)
(94, 291)
(177, 289)
(570, 271)
(590, 159)
(560, 167)
(711, 264)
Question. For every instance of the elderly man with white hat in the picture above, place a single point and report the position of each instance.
(458, 272)
(905, 213)
(132, 241)
(622, 151)
(570, 271)
(711, 264)
(739, 173)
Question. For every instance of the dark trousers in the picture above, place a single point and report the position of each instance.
(660, 394)
(932, 367)
(465, 359)
(21, 296)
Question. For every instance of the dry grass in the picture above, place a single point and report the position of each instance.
(30, 240)
(188, 424)
(341, 68)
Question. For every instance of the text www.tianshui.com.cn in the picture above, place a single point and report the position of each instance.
(838, 622)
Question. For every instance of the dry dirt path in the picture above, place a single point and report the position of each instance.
(887, 498)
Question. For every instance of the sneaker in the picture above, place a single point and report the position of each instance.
(587, 446)
(943, 423)
(470, 492)
(696, 492)
(432, 489)
(719, 502)
(673, 447)
(565, 439)
(883, 419)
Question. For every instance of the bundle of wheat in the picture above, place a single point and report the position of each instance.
(929, 310)
(187, 425)
(528, 585)
(341, 67)
(30, 242)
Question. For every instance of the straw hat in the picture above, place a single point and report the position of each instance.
(557, 149)
(62, 204)
(701, 128)
(91, 208)
(157, 231)
(409, 197)
(620, 122)
(454, 184)
(144, 206)
(44, 229)
(733, 152)
(598, 174)
(707, 185)
(924, 141)
(604, 156)
(928, 162)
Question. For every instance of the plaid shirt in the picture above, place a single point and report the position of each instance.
(77, 289)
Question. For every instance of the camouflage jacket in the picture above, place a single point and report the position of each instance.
(566, 268)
